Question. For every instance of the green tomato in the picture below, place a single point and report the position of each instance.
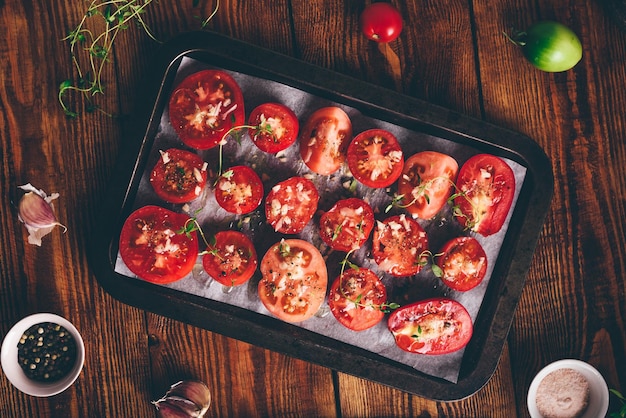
(550, 46)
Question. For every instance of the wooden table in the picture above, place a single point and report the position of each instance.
(452, 54)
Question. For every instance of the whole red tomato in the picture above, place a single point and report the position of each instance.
(381, 22)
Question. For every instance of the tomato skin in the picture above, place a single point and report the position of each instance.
(381, 22)
(282, 122)
(487, 186)
(239, 190)
(232, 259)
(179, 176)
(204, 106)
(426, 182)
(433, 326)
(399, 246)
(463, 263)
(375, 158)
(356, 298)
(347, 225)
(151, 247)
(294, 280)
(291, 204)
(551, 46)
(324, 139)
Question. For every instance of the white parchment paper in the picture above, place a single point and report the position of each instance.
(273, 169)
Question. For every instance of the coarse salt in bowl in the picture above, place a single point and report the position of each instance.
(13, 370)
(598, 403)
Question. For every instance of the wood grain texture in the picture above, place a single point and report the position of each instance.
(451, 53)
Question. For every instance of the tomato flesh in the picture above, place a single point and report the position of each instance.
(357, 299)
(179, 176)
(324, 140)
(433, 326)
(399, 246)
(291, 204)
(381, 22)
(204, 107)
(294, 280)
(152, 247)
(375, 158)
(239, 190)
(232, 259)
(426, 183)
(347, 225)
(487, 186)
(463, 263)
(276, 127)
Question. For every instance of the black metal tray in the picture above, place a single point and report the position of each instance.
(501, 296)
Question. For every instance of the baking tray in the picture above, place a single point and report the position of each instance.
(370, 104)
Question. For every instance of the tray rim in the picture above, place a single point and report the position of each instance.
(292, 340)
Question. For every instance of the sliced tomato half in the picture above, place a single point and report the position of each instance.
(427, 182)
(153, 247)
(239, 190)
(231, 259)
(276, 127)
(179, 176)
(486, 186)
(399, 246)
(324, 139)
(434, 326)
(204, 107)
(294, 280)
(347, 225)
(291, 204)
(463, 263)
(375, 158)
(357, 299)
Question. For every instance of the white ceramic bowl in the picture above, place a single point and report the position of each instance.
(14, 372)
(598, 389)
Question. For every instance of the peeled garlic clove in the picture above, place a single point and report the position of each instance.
(193, 390)
(35, 212)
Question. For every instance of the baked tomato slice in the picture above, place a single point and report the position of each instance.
(427, 182)
(486, 187)
(231, 259)
(463, 263)
(153, 247)
(433, 326)
(347, 225)
(399, 246)
(276, 127)
(239, 190)
(375, 158)
(294, 280)
(291, 204)
(179, 176)
(204, 107)
(324, 139)
(358, 299)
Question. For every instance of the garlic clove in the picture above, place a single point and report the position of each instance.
(167, 410)
(36, 211)
(192, 398)
(185, 405)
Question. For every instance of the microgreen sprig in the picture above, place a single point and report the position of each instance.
(622, 412)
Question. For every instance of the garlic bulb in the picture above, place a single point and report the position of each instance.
(185, 399)
(36, 211)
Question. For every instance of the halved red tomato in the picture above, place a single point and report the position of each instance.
(324, 139)
(204, 107)
(275, 127)
(357, 299)
(153, 247)
(463, 263)
(347, 225)
(399, 246)
(426, 182)
(375, 158)
(179, 176)
(294, 280)
(231, 260)
(486, 189)
(239, 190)
(291, 204)
(433, 326)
